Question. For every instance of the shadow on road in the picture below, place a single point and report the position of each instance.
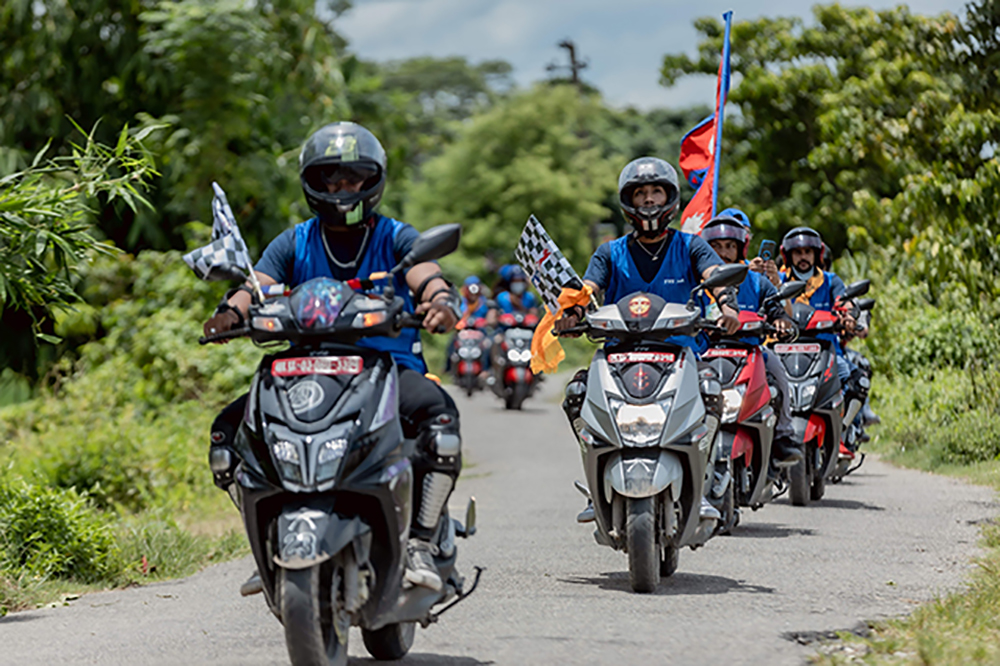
(769, 531)
(680, 584)
(425, 659)
(18, 617)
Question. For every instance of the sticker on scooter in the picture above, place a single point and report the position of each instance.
(317, 365)
(725, 353)
(641, 357)
(798, 348)
(639, 306)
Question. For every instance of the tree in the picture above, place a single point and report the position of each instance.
(45, 217)
(533, 153)
(852, 103)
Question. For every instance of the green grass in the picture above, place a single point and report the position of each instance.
(945, 423)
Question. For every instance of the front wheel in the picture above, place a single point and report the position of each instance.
(640, 535)
(391, 642)
(315, 633)
(798, 482)
(818, 488)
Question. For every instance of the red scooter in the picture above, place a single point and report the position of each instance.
(512, 378)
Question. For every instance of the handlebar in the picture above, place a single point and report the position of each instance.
(225, 335)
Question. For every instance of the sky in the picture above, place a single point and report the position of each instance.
(624, 41)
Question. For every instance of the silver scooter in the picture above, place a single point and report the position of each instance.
(643, 429)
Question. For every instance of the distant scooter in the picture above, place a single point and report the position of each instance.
(512, 379)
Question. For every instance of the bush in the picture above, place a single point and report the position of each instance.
(46, 532)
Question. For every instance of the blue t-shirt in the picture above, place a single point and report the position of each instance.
(278, 260)
(599, 269)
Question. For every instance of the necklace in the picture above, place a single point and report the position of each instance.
(654, 256)
(354, 262)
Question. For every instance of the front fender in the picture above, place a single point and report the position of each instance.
(308, 536)
(643, 473)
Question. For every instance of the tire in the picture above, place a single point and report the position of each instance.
(391, 642)
(671, 557)
(728, 510)
(517, 396)
(305, 612)
(798, 483)
(640, 537)
(818, 488)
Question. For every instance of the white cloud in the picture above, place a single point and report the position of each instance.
(623, 40)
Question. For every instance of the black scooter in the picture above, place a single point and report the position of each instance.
(322, 471)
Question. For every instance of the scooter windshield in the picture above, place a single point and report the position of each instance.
(317, 303)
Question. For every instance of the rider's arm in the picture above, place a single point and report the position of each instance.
(437, 298)
(597, 277)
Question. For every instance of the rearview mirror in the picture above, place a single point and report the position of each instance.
(858, 288)
(432, 244)
(866, 303)
(790, 289)
(729, 275)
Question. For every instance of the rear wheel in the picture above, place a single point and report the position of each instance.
(390, 642)
(798, 482)
(315, 632)
(517, 396)
(640, 535)
(671, 557)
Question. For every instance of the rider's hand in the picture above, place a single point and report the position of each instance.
(784, 328)
(771, 271)
(729, 320)
(440, 317)
(847, 322)
(220, 323)
(567, 321)
(757, 265)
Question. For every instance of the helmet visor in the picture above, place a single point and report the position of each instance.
(321, 176)
(726, 231)
(802, 240)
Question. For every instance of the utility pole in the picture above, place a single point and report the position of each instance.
(574, 66)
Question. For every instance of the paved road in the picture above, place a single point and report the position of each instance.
(879, 543)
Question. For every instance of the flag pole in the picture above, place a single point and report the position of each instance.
(722, 94)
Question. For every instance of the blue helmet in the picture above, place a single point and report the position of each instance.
(511, 272)
(737, 215)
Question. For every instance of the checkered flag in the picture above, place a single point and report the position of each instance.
(544, 264)
(226, 257)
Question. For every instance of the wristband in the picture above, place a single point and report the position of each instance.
(224, 306)
(418, 293)
(452, 301)
(727, 297)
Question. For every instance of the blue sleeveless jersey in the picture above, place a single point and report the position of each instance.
(673, 282)
(311, 262)
(748, 298)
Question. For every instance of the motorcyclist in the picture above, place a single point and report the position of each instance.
(728, 233)
(342, 168)
(654, 259)
(802, 253)
(512, 295)
(477, 311)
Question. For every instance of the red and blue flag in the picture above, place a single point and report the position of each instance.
(700, 155)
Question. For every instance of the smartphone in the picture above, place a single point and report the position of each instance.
(767, 248)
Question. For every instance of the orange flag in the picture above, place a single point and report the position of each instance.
(546, 352)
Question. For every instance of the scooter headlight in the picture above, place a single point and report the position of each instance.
(639, 425)
(329, 458)
(463, 352)
(732, 400)
(286, 454)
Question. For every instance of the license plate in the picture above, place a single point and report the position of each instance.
(317, 365)
(725, 353)
(801, 348)
(641, 357)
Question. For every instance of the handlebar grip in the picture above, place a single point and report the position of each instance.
(573, 330)
(225, 335)
(411, 321)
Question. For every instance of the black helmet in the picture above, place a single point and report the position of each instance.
(802, 237)
(337, 151)
(727, 226)
(650, 221)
